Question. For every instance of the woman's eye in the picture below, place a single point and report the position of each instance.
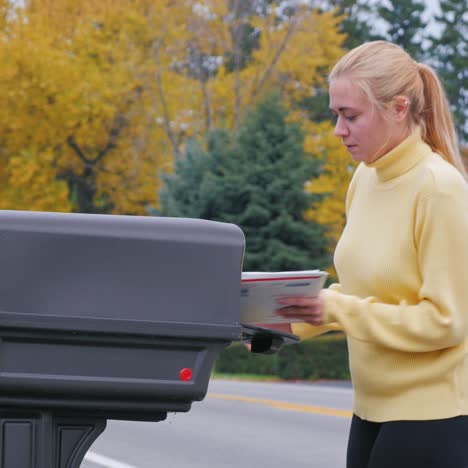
(350, 118)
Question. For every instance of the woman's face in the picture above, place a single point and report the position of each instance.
(362, 129)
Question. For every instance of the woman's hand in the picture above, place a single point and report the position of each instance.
(304, 308)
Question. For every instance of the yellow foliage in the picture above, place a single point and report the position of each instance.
(25, 176)
(101, 95)
(334, 181)
(290, 58)
(79, 88)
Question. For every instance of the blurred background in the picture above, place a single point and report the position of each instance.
(213, 109)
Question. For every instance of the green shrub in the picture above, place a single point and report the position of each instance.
(324, 357)
(235, 359)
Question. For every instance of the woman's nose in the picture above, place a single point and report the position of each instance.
(340, 128)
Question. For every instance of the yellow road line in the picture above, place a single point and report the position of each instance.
(284, 405)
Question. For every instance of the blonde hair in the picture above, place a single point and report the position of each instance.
(383, 70)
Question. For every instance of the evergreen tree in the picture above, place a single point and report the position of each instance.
(356, 26)
(255, 180)
(356, 23)
(450, 53)
(405, 24)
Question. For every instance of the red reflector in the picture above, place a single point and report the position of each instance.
(186, 374)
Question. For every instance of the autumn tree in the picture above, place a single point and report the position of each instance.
(102, 96)
(246, 49)
(256, 180)
(357, 21)
(78, 125)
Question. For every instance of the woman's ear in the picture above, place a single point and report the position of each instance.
(401, 106)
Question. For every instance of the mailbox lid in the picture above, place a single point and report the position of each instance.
(128, 269)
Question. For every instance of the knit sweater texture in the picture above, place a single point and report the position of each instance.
(402, 296)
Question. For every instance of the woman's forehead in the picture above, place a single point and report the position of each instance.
(344, 94)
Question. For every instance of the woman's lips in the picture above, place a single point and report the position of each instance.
(351, 147)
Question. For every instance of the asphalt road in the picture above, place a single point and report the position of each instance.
(239, 424)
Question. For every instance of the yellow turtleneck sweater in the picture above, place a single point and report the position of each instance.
(402, 297)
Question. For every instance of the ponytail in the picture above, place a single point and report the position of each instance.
(436, 119)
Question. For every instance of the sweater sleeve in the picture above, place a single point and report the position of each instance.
(440, 318)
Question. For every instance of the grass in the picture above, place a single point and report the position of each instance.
(266, 378)
(247, 377)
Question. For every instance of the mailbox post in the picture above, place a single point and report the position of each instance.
(109, 317)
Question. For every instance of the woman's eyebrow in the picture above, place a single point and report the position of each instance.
(342, 109)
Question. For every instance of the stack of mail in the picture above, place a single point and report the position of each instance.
(259, 291)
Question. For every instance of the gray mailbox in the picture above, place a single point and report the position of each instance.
(109, 317)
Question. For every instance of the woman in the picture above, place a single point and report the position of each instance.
(402, 264)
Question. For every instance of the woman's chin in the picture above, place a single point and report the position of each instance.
(356, 157)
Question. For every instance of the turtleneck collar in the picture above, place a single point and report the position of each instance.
(402, 158)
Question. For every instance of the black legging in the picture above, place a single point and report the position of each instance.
(439, 443)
